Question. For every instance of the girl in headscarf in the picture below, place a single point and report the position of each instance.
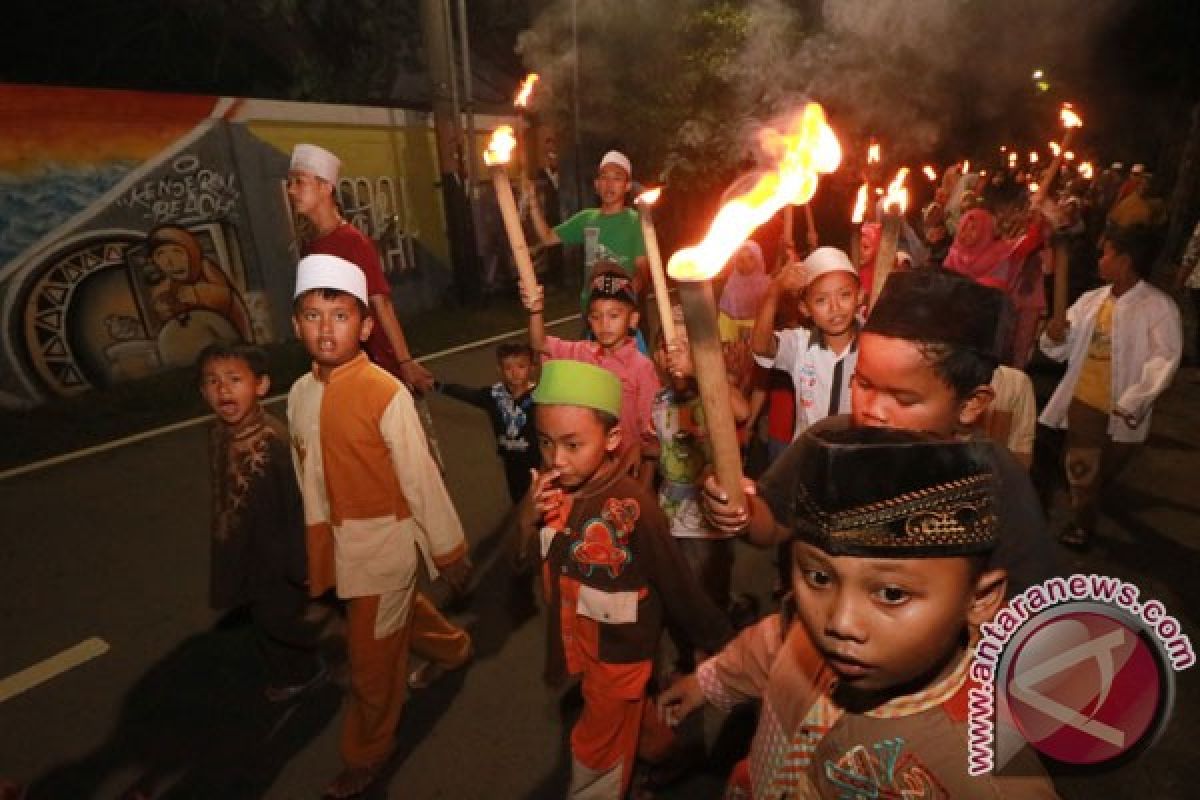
(743, 292)
(978, 254)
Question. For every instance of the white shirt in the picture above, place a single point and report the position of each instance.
(802, 354)
(1147, 342)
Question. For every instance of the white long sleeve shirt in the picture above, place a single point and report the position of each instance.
(1147, 343)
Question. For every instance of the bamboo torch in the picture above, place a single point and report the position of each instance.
(856, 219)
(521, 104)
(1071, 122)
(645, 206)
(805, 148)
(497, 156)
(895, 202)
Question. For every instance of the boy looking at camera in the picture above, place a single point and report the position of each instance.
(258, 523)
(863, 676)
(820, 359)
(611, 317)
(375, 508)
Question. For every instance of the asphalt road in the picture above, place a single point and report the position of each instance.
(115, 546)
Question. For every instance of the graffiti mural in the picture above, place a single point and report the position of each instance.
(117, 305)
(187, 194)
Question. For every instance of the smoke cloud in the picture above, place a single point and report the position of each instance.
(682, 83)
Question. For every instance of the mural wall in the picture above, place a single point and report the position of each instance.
(136, 228)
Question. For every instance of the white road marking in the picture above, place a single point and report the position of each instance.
(51, 667)
(188, 423)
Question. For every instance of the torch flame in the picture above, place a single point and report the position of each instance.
(897, 195)
(1012, 159)
(1069, 155)
(807, 147)
(873, 153)
(1033, 187)
(930, 173)
(1003, 148)
(966, 166)
(1054, 148)
(1033, 157)
(860, 205)
(648, 197)
(500, 146)
(1069, 118)
(526, 90)
(1086, 170)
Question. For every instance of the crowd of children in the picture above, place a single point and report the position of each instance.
(915, 407)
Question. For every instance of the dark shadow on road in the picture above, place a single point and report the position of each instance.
(501, 602)
(197, 721)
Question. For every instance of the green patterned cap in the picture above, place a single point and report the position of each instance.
(574, 383)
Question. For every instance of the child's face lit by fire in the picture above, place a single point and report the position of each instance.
(574, 442)
(610, 321)
(886, 623)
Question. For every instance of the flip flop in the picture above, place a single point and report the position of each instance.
(353, 781)
(284, 694)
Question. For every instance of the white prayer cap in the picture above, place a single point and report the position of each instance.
(824, 260)
(321, 271)
(618, 158)
(317, 160)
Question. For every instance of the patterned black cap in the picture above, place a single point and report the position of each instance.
(886, 493)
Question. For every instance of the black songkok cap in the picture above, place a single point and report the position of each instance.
(939, 307)
(886, 493)
(613, 286)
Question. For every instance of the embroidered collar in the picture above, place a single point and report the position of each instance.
(927, 698)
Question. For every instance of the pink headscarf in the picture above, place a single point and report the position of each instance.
(987, 261)
(743, 292)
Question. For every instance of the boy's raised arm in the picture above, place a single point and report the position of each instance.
(535, 303)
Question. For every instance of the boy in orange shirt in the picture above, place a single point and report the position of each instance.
(375, 509)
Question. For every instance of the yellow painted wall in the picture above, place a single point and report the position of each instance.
(406, 153)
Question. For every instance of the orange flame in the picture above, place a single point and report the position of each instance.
(1012, 159)
(1069, 118)
(1033, 157)
(1087, 170)
(526, 90)
(873, 153)
(860, 205)
(1069, 155)
(930, 172)
(648, 197)
(1003, 148)
(1054, 148)
(500, 146)
(1033, 187)
(805, 148)
(983, 173)
(966, 167)
(897, 196)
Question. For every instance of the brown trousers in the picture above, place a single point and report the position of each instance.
(379, 672)
(1093, 459)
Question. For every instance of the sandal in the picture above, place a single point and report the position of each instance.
(1075, 537)
(284, 694)
(428, 673)
(353, 781)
